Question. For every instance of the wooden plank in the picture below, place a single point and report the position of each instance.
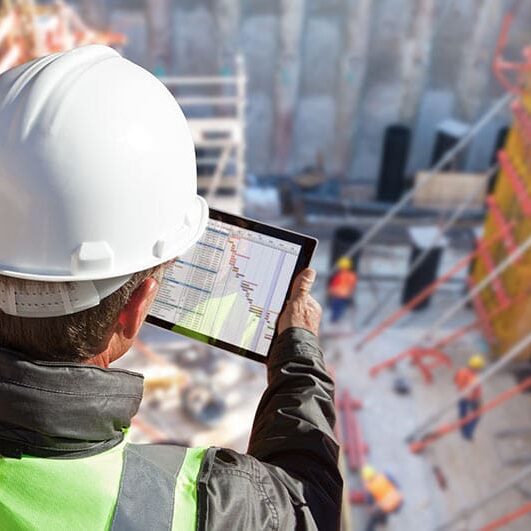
(448, 189)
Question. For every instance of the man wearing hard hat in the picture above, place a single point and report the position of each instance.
(97, 194)
(341, 288)
(384, 495)
(466, 378)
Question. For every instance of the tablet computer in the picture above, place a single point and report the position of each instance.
(230, 287)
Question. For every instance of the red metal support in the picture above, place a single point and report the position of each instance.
(444, 342)
(427, 359)
(484, 320)
(357, 497)
(355, 447)
(497, 285)
(431, 288)
(389, 363)
(502, 223)
(523, 119)
(508, 518)
(501, 66)
(450, 338)
(457, 334)
(516, 182)
(445, 429)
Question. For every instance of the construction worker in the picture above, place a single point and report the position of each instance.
(471, 402)
(341, 288)
(97, 194)
(383, 494)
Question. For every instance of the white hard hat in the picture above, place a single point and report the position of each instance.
(97, 174)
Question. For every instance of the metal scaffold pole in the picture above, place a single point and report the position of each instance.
(493, 275)
(450, 222)
(508, 518)
(472, 508)
(449, 155)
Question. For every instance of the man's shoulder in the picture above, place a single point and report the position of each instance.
(238, 487)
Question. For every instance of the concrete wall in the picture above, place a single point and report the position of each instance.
(327, 76)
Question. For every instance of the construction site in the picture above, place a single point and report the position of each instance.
(397, 133)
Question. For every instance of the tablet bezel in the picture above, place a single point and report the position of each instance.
(308, 246)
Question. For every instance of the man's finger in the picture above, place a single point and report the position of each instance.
(303, 283)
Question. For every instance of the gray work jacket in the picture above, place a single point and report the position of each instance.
(287, 480)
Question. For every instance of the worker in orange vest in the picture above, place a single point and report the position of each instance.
(471, 402)
(341, 288)
(384, 494)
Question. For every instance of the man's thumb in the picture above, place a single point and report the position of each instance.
(303, 283)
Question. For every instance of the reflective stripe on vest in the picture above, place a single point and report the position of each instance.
(385, 494)
(128, 487)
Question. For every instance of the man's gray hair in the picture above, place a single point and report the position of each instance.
(76, 337)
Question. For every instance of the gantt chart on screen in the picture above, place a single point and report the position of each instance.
(231, 286)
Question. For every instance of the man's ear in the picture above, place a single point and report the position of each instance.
(133, 314)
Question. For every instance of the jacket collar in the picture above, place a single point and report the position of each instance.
(63, 409)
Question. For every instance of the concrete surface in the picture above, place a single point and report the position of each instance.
(345, 84)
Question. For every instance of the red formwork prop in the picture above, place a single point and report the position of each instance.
(427, 359)
(349, 435)
(353, 444)
(501, 66)
(445, 429)
(523, 120)
(508, 518)
(481, 248)
(357, 497)
(516, 181)
(454, 336)
(504, 225)
(496, 282)
(419, 358)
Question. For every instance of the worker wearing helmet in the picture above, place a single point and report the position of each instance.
(466, 378)
(97, 195)
(383, 493)
(341, 288)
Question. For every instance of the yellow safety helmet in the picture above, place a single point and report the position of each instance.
(476, 362)
(368, 472)
(344, 263)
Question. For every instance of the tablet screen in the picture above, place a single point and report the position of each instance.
(231, 286)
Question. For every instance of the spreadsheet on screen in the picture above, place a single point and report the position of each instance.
(231, 286)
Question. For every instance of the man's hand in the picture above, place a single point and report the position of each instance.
(301, 310)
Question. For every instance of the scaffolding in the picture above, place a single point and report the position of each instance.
(216, 118)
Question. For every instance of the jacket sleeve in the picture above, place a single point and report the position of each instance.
(289, 479)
